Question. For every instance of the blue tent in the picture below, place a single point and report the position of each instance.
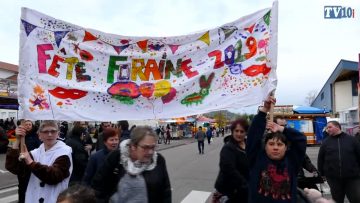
(309, 110)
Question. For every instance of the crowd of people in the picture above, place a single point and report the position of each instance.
(259, 162)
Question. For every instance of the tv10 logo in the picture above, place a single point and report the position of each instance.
(337, 12)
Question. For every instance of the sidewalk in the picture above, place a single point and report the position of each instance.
(183, 141)
(175, 143)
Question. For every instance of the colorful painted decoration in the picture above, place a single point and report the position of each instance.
(89, 37)
(143, 45)
(73, 73)
(63, 93)
(205, 38)
(59, 35)
(119, 49)
(198, 97)
(38, 100)
(28, 27)
(173, 48)
(228, 31)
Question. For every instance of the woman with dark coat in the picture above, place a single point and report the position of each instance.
(110, 138)
(135, 172)
(234, 172)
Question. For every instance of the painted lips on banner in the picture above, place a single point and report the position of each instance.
(67, 72)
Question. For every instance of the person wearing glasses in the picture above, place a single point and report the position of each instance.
(135, 172)
(232, 181)
(48, 167)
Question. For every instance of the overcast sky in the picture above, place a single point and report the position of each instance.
(309, 46)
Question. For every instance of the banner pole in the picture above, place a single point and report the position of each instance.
(271, 111)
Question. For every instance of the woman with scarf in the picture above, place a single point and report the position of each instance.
(231, 183)
(49, 166)
(135, 173)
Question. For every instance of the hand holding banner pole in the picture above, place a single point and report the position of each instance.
(271, 109)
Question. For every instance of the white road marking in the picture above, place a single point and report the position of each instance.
(196, 196)
(8, 190)
(2, 171)
(11, 198)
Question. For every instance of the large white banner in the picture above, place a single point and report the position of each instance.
(68, 72)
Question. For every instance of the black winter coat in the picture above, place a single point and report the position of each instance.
(234, 172)
(79, 157)
(32, 140)
(339, 157)
(108, 176)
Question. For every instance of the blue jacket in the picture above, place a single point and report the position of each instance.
(273, 181)
(209, 133)
(95, 162)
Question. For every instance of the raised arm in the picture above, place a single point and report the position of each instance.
(12, 163)
(254, 136)
(257, 129)
(298, 145)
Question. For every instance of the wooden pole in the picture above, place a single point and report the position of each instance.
(271, 112)
(22, 138)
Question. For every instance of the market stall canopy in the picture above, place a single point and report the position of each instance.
(178, 120)
(205, 119)
(309, 110)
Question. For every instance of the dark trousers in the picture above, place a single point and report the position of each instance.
(23, 182)
(201, 146)
(209, 140)
(340, 187)
(167, 140)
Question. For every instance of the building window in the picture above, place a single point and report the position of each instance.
(322, 95)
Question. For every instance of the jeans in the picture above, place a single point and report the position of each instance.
(340, 187)
(201, 146)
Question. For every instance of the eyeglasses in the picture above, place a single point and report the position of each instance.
(48, 131)
(147, 147)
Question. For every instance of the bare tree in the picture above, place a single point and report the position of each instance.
(310, 97)
(220, 119)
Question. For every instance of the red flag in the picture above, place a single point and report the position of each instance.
(89, 37)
